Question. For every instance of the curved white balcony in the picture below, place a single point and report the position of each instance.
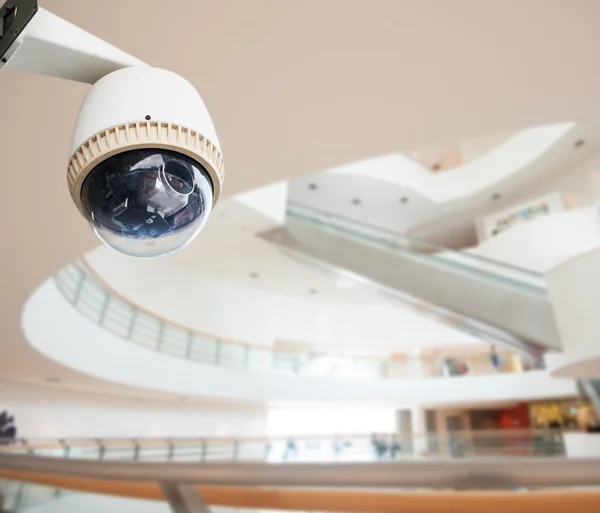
(76, 322)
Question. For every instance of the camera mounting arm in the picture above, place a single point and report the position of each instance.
(35, 40)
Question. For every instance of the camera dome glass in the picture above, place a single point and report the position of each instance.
(147, 202)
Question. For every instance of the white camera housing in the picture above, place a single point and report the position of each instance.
(161, 110)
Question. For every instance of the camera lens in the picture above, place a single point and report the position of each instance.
(147, 202)
(178, 177)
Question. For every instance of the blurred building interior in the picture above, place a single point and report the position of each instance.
(399, 275)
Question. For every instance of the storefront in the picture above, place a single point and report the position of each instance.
(574, 414)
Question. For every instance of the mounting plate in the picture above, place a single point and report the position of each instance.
(15, 15)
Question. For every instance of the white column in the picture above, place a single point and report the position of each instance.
(414, 367)
(419, 430)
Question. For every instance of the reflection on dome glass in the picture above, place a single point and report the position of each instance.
(147, 202)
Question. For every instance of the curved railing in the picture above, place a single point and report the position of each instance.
(304, 448)
(103, 306)
(497, 460)
(524, 280)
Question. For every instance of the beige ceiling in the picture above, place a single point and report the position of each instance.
(294, 87)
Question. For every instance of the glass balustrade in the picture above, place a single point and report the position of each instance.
(326, 448)
(469, 446)
(525, 281)
(115, 314)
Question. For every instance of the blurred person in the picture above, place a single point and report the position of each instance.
(8, 430)
(395, 448)
(380, 447)
(291, 449)
(495, 359)
(552, 442)
(338, 447)
(444, 370)
(3, 419)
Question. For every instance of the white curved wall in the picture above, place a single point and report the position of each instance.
(189, 296)
(46, 413)
(575, 294)
(582, 445)
(469, 179)
(545, 242)
(57, 330)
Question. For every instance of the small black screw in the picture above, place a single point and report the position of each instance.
(148, 118)
(3, 59)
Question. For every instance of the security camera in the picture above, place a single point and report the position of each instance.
(146, 167)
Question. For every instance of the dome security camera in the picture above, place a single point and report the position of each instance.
(146, 167)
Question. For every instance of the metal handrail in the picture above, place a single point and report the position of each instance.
(196, 497)
(473, 473)
(412, 240)
(349, 447)
(91, 297)
(501, 434)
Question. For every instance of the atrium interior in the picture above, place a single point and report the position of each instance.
(391, 308)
